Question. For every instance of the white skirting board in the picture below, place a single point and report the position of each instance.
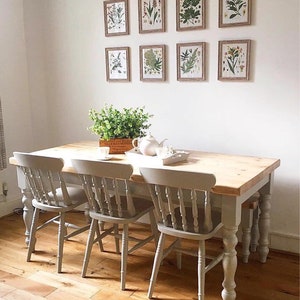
(278, 241)
(285, 242)
(8, 205)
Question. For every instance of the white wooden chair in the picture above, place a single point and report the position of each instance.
(249, 224)
(182, 204)
(111, 201)
(51, 194)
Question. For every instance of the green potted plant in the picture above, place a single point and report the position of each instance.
(116, 128)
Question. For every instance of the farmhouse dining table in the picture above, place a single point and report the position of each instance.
(237, 179)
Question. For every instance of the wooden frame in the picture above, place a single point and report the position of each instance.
(116, 17)
(117, 64)
(191, 61)
(153, 63)
(191, 16)
(234, 60)
(234, 13)
(151, 16)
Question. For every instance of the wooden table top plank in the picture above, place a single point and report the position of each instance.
(235, 174)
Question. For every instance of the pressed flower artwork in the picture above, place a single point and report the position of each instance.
(117, 64)
(116, 17)
(234, 12)
(234, 60)
(190, 14)
(191, 61)
(152, 63)
(151, 16)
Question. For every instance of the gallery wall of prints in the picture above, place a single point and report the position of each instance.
(233, 54)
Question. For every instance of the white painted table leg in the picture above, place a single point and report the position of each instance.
(246, 232)
(254, 230)
(27, 212)
(229, 262)
(264, 226)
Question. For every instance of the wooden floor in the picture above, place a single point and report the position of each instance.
(278, 279)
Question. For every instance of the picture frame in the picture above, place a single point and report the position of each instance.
(116, 17)
(191, 61)
(234, 13)
(234, 60)
(151, 16)
(117, 64)
(153, 63)
(190, 16)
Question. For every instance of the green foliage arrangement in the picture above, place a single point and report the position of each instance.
(111, 123)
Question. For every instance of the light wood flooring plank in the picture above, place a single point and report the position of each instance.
(278, 279)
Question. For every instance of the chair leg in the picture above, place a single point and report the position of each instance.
(154, 229)
(156, 264)
(116, 233)
(201, 270)
(179, 255)
(32, 239)
(124, 255)
(89, 246)
(61, 239)
(98, 237)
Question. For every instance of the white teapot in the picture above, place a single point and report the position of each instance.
(147, 145)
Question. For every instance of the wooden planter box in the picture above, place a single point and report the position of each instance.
(117, 146)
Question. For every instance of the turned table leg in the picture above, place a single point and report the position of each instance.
(264, 226)
(229, 262)
(27, 213)
(254, 230)
(27, 203)
(246, 232)
(264, 219)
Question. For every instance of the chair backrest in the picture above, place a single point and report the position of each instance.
(44, 176)
(106, 187)
(181, 199)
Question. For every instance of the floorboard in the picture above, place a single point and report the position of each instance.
(278, 279)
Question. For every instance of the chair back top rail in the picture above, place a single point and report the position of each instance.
(102, 169)
(182, 179)
(39, 162)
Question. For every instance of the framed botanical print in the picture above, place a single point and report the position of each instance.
(153, 63)
(190, 14)
(116, 18)
(191, 61)
(234, 13)
(151, 16)
(117, 64)
(234, 60)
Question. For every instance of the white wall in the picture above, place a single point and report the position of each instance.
(14, 92)
(65, 49)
